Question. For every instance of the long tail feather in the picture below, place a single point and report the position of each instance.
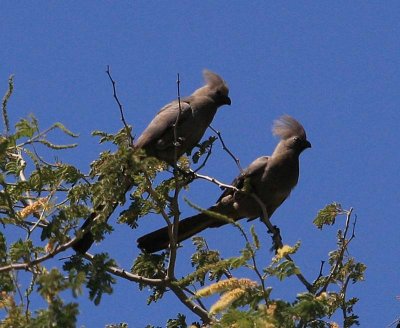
(159, 239)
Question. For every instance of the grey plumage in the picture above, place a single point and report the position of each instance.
(195, 115)
(271, 178)
(195, 112)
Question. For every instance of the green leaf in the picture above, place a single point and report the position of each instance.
(25, 128)
(50, 145)
(179, 322)
(99, 280)
(256, 241)
(23, 250)
(64, 129)
(327, 215)
(5, 102)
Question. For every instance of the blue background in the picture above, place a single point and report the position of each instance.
(332, 65)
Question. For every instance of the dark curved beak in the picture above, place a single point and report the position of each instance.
(307, 144)
(227, 100)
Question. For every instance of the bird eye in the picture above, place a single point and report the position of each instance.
(296, 139)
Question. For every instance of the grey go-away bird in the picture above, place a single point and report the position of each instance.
(192, 116)
(271, 178)
(196, 113)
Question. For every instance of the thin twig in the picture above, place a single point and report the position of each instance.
(36, 138)
(176, 144)
(198, 300)
(198, 310)
(321, 270)
(30, 264)
(128, 275)
(253, 258)
(205, 160)
(215, 181)
(173, 230)
(237, 161)
(203, 314)
(343, 291)
(15, 282)
(277, 239)
(343, 248)
(121, 109)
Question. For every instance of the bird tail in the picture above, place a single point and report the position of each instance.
(87, 240)
(159, 239)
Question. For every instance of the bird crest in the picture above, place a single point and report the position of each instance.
(213, 80)
(286, 127)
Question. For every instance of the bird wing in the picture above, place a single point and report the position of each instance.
(164, 121)
(256, 168)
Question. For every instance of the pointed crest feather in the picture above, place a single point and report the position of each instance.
(212, 79)
(286, 127)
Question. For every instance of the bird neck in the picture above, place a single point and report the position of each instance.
(283, 151)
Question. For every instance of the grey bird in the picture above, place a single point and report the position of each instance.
(271, 178)
(192, 116)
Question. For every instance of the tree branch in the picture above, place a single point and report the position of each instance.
(215, 181)
(174, 228)
(121, 109)
(237, 161)
(343, 248)
(203, 314)
(28, 265)
(277, 239)
(128, 275)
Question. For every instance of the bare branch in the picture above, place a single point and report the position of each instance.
(121, 109)
(176, 143)
(237, 161)
(215, 181)
(321, 270)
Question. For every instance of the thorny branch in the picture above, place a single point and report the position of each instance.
(121, 109)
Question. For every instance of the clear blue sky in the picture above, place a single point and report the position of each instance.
(335, 66)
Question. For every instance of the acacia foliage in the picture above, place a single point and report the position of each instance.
(43, 204)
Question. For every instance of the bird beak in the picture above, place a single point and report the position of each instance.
(307, 144)
(227, 101)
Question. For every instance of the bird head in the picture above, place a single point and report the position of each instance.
(215, 87)
(292, 134)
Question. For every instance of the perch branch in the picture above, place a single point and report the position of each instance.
(237, 161)
(121, 108)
